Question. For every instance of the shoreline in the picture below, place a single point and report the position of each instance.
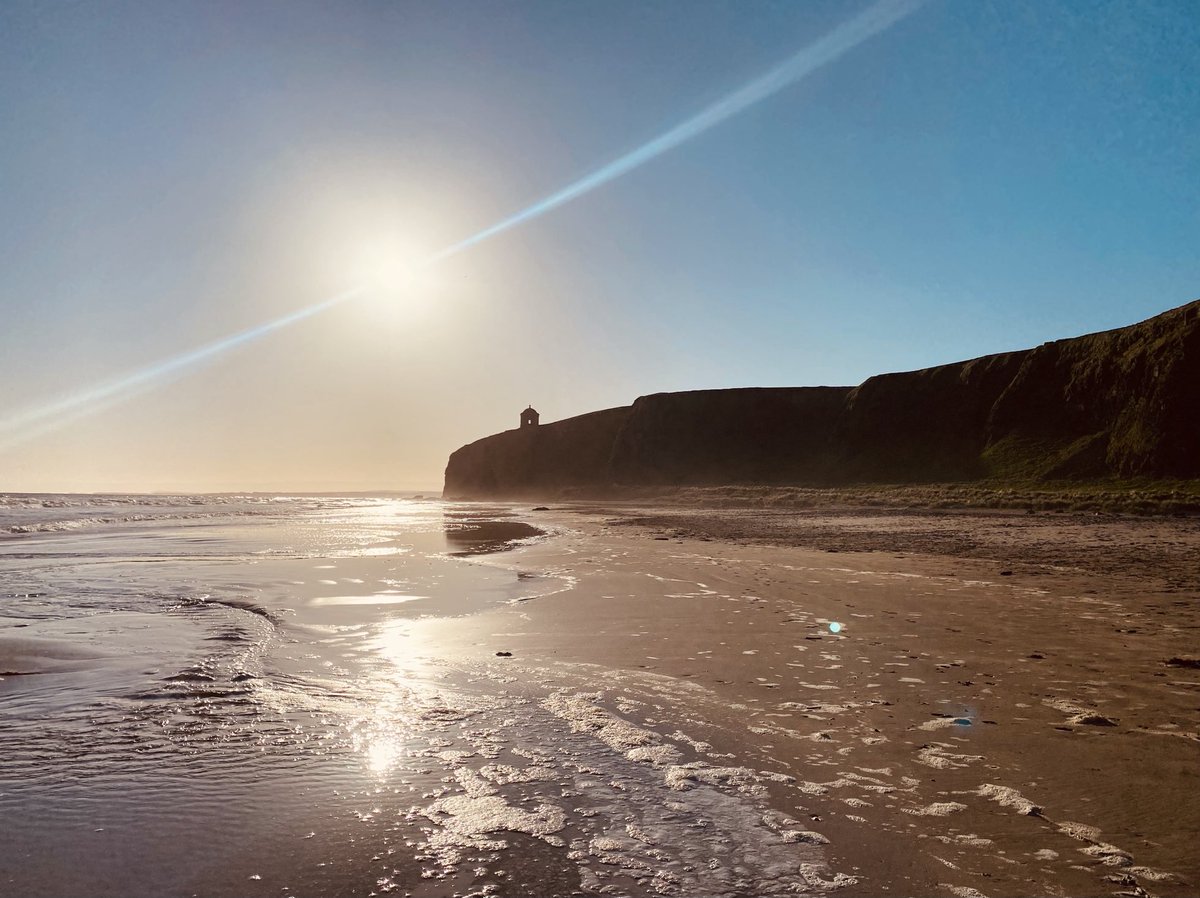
(625, 698)
(991, 722)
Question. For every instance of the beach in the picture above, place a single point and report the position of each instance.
(1007, 706)
(379, 696)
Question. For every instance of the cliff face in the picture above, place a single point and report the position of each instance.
(1123, 402)
(534, 461)
(924, 425)
(1119, 403)
(776, 435)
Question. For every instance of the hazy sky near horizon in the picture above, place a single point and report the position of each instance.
(979, 177)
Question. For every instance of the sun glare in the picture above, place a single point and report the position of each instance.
(397, 277)
(393, 268)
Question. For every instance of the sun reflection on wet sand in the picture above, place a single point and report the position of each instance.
(401, 689)
(382, 753)
(259, 671)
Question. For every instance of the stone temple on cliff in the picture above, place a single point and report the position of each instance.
(529, 417)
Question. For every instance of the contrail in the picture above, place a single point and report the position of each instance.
(845, 37)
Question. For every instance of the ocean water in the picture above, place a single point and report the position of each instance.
(231, 695)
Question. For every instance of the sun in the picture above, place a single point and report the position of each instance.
(397, 276)
(394, 268)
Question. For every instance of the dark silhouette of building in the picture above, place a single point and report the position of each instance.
(529, 417)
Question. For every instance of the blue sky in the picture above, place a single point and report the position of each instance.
(977, 178)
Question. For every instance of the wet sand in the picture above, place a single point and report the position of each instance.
(646, 701)
(999, 713)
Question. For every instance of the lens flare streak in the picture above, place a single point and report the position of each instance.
(877, 18)
(873, 20)
(42, 419)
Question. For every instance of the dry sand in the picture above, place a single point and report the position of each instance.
(998, 715)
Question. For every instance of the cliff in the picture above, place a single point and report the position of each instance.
(1122, 403)
(534, 461)
(759, 435)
